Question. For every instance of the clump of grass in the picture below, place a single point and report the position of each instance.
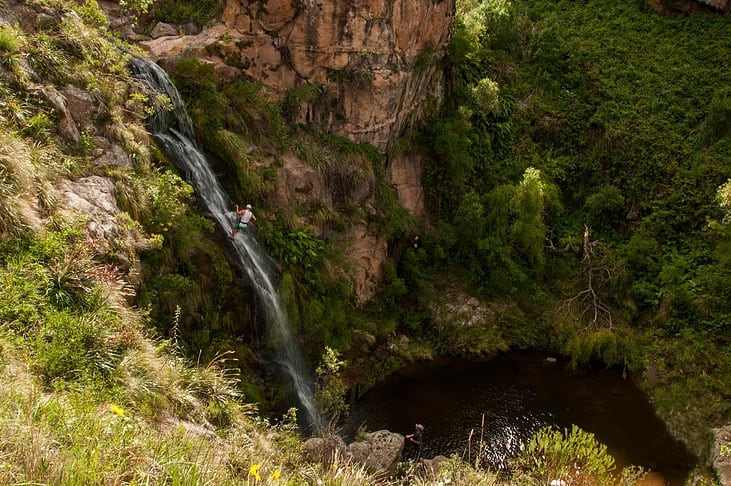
(11, 40)
(574, 456)
(341, 471)
(18, 184)
(454, 471)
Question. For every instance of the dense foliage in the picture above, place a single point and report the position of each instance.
(578, 169)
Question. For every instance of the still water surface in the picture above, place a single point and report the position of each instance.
(518, 393)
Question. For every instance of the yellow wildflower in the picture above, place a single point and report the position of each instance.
(117, 410)
(275, 475)
(254, 471)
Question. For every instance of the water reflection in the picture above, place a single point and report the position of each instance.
(500, 404)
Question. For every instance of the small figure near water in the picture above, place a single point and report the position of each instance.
(415, 440)
(245, 218)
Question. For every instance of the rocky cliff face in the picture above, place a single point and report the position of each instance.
(373, 58)
(373, 66)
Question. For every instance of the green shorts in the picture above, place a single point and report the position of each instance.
(241, 225)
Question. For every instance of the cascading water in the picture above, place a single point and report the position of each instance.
(173, 131)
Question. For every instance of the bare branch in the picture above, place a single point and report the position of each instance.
(588, 301)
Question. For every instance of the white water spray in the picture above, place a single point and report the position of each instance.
(173, 131)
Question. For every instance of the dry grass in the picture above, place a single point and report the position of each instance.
(21, 181)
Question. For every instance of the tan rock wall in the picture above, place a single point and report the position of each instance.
(406, 172)
(379, 56)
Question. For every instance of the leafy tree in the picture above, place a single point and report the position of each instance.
(330, 389)
(533, 198)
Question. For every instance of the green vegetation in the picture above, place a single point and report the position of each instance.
(579, 186)
(198, 12)
(574, 457)
(579, 167)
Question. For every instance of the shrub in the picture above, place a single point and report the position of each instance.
(575, 457)
(604, 205)
(10, 41)
(199, 12)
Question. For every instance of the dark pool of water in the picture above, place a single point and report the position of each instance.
(517, 394)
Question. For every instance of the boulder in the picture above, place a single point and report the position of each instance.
(379, 452)
(163, 29)
(190, 29)
(323, 450)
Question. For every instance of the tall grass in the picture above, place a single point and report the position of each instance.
(19, 184)
(90, 398)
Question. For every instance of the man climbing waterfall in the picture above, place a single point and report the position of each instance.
(245, 218)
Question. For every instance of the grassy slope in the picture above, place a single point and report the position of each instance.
(89, 396)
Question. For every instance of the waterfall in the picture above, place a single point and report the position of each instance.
(173, 131)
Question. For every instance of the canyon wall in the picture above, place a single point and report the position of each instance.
(375, 68)
(376, 60)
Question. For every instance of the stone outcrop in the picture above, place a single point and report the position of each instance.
(379, 452)
(379, 58)
(406, 173)
(299, 184)
(367, 252)
(94, 200)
